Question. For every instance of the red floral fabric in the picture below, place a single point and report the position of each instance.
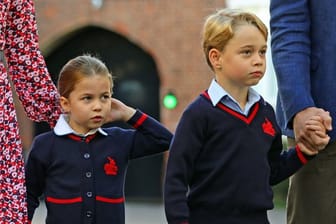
(27, 70)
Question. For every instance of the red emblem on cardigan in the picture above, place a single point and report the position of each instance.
(268, 127)
(111, 167)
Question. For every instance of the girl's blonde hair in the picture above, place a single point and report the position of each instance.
(220, 27)
(78, 68)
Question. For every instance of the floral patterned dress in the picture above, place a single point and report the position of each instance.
(25, 67)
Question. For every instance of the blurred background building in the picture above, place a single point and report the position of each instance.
(153, 49)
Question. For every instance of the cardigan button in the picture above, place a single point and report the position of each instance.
(89, 194)
(88, 174)
(86, 155)
(89, 214)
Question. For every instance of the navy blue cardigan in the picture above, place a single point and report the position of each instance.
(222, 164)
(82, 180)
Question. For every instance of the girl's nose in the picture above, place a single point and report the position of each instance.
(97, 105)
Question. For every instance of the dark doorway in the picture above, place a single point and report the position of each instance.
(136, 83)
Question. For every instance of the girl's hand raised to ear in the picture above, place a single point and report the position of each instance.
(119, 111)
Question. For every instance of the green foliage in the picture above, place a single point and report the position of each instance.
(280, 194)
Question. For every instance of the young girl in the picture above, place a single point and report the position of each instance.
(226, 151)
(80, 167)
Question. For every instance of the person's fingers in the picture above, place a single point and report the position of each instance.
(307, 150)
(314, 141)
(320, 134)
(327, 120)
(315, 127)
(310, 128)
(307, 142)
(320, 142)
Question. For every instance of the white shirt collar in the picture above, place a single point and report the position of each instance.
(63, 128)
(216, 93)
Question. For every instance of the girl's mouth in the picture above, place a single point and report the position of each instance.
(97, 119)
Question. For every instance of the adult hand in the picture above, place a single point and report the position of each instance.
(306, 150)
(306, 138)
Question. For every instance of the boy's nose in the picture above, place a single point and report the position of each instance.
(258, 60)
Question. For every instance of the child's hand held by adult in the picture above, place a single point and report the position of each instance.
(312, 139)
(318, 131)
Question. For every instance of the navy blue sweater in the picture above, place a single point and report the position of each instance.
(82, 180)
(222, 164)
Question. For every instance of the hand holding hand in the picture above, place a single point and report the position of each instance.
(310, 127)
(315, 125)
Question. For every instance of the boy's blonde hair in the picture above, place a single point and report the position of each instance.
(220, 27)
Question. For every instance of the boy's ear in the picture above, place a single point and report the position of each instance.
(65, 104)
(215, 58)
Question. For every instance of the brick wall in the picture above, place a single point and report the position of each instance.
(168, 29)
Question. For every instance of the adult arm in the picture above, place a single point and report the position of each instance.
(26, 65)
(290, 44)
(291, 52)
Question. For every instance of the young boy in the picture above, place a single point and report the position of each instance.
(227, 149)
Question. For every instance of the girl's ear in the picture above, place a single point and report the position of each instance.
(215, 58)
(65, 104)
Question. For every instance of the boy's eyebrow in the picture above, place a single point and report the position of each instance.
(252, 46)
(247, 46)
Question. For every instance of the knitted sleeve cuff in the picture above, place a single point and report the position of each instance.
(302, 157)
(137, 119)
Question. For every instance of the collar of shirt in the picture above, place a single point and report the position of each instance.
(63, 128)
(218, 94)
